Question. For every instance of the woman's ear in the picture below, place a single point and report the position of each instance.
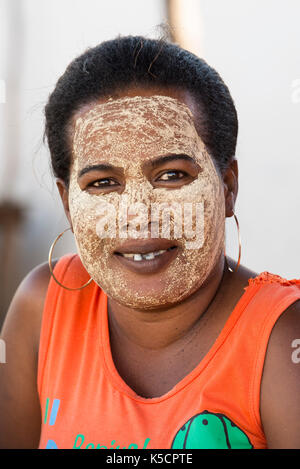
(64, 194)
(230, 179)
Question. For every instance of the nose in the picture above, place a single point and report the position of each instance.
(136, 206)
(138, 191)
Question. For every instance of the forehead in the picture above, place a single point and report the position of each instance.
(141, 125)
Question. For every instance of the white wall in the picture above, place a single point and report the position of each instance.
(255, 46)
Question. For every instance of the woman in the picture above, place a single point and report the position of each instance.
(149, 337)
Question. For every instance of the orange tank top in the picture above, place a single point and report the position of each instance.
(86, 404)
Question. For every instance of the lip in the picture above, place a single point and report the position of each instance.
(144, 246)
(147, 266)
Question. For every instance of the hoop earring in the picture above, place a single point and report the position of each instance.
(240, 246)
(50, 265)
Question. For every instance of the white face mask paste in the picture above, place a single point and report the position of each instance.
(126, 132)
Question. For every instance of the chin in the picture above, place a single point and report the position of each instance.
(154, 300)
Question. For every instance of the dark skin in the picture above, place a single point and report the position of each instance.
(152, 356)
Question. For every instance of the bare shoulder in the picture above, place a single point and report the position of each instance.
(280, 404)
(20, 422)
(280, 383)
(27, 305)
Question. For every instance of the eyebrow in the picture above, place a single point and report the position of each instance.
(152, 163)
(166, 158)
(96, 167)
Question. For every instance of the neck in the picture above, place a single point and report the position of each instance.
(159, 329)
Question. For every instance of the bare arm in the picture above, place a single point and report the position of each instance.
(20, 415)
(280, 388)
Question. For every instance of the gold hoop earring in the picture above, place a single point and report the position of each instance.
(50, 265)
(240, 246)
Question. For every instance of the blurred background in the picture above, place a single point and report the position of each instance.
(253, 44)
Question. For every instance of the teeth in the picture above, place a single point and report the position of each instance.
(148, 256)
(157, 253)
(137, 257)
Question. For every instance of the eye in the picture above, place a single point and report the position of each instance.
(105, 182)
(172, 175)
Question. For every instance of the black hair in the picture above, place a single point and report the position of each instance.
(134, 60)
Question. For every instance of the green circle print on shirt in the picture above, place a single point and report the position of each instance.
(210, 431)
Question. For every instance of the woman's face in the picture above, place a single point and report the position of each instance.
(141, 183)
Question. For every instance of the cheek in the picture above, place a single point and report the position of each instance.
(84, 226)
(198, 206)
(86, 214)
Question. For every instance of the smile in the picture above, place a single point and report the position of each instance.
(137, 257)
(147, 262)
